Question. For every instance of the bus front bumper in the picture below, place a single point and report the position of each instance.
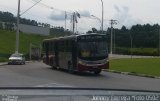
(82, 67)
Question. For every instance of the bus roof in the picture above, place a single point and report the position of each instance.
(71, 36)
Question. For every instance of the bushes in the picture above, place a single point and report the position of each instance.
(137, 51)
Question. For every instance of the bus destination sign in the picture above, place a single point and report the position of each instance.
(92, 37)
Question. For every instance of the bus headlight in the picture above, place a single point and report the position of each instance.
(80, 62)
(83, 62)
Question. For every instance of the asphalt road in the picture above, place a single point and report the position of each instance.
(37, 74)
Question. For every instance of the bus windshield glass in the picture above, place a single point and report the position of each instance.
(93, 50)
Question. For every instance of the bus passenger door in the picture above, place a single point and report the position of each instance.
(56, 55)
(47, 54)
(74, 54)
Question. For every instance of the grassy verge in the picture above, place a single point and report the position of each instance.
(148, 66)
(138, 51)
(3, 59)
(7, 43)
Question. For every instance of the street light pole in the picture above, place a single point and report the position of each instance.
(65, 19)
(111, 39)
(112, 22)
(102, 15)
(159, 41)
(17, 33)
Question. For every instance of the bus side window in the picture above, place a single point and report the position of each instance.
(61, 46)
(51, 45)
(69, 46)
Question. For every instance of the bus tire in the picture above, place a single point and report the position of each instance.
(54, 68)
(70, 67)
(98, 71)
(58, 68)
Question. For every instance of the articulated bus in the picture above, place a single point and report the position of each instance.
(80, 53)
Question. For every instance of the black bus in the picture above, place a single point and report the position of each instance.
(80, 53)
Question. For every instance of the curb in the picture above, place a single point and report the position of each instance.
(6, 63)
(133, 73)
(3, 64)
(29, 61)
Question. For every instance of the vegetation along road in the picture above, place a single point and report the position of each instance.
(138, 65)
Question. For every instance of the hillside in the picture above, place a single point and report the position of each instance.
(7, 42)
(7, 21)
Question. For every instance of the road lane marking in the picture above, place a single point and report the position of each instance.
(53, 85)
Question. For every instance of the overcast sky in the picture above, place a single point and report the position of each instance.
(127, 12)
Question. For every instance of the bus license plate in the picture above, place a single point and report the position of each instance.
(95, 66)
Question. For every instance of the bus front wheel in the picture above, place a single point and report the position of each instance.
(98, 71)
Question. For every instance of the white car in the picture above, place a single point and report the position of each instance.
(16, 58)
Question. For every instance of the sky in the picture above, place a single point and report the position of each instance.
(126, 12)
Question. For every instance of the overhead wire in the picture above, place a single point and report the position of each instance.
(30, 7)
(50, 7)
(53, 8)
(15, 10)
(56, 9)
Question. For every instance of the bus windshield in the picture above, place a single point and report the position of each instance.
(93, 50)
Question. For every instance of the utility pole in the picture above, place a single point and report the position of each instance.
(73, 22)
(18, 18)
(112, 22)
(131, 43)
(40, 51)
(76, 27)
(17, 33)
(65, 19)
(114, 41)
